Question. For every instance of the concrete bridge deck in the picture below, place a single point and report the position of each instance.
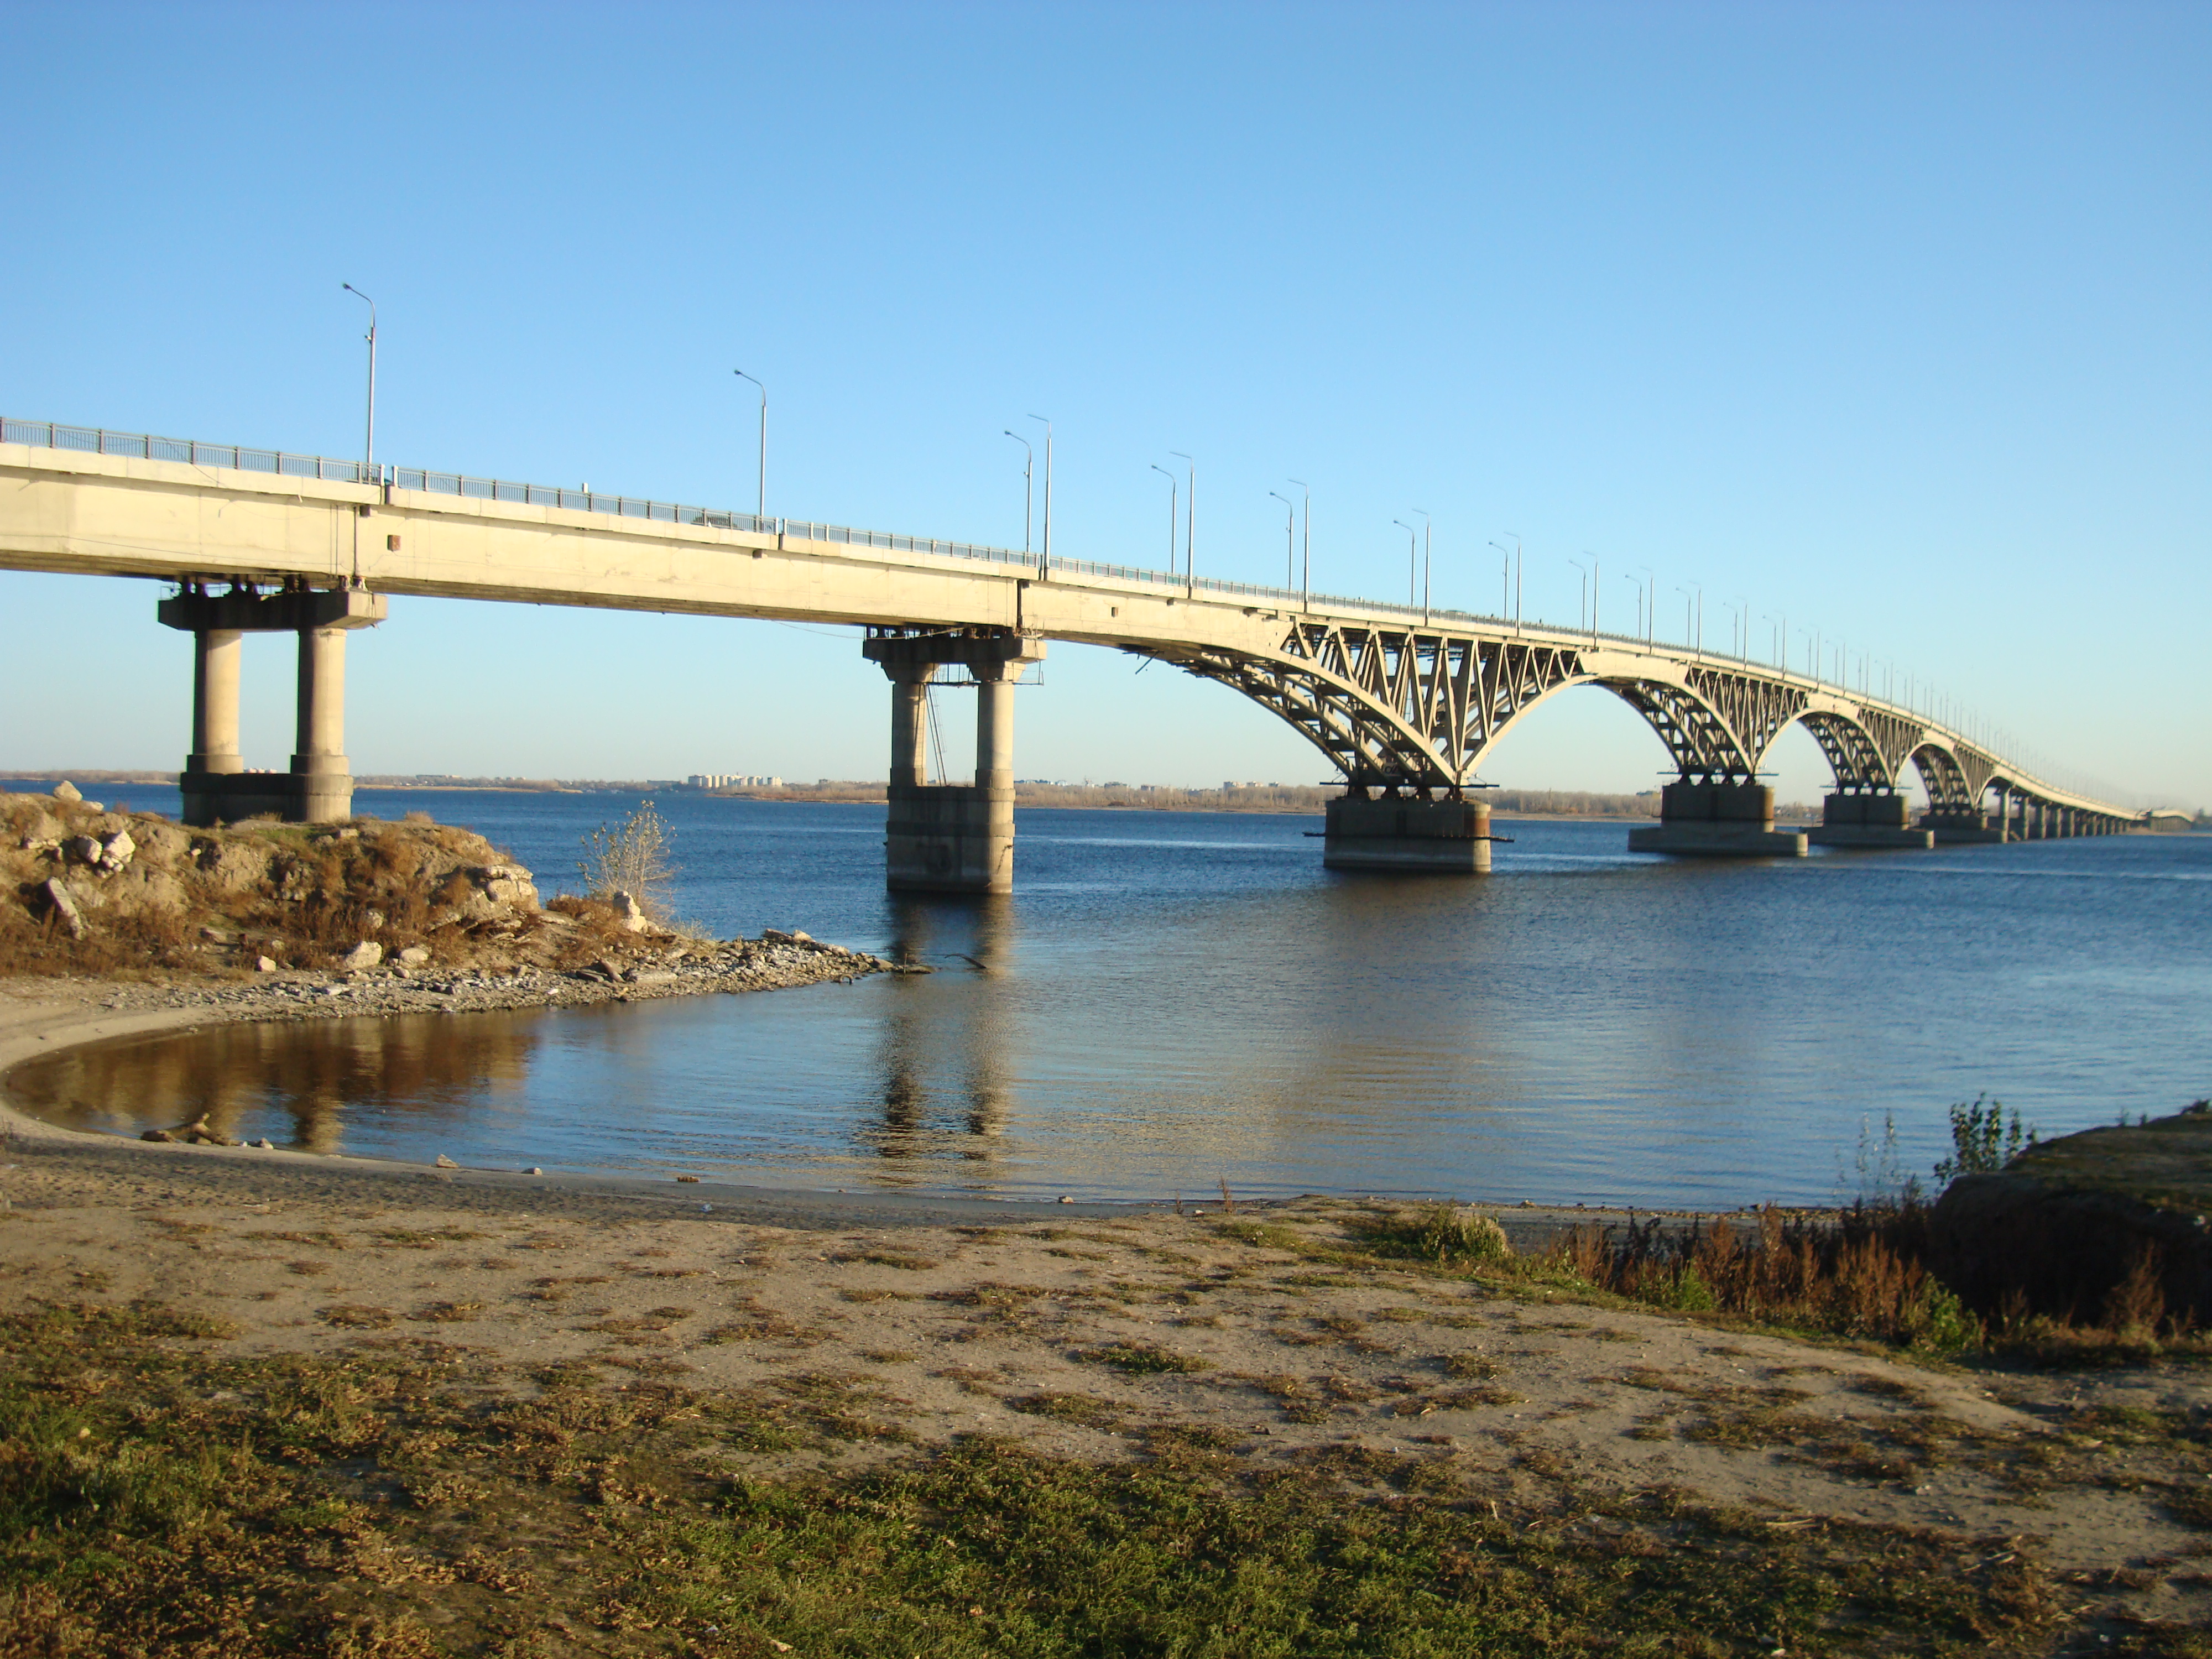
(1404, 702)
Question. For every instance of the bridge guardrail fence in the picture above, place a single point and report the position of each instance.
(101, 440)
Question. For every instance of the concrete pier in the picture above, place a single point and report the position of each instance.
(1872, 819)
(1406, 833)
(1956, 827)
(952, 837)
(215, 783)
(1717, 820)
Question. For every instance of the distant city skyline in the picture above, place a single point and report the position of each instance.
(1880, 324)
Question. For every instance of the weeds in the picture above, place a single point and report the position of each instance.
(1439, 1233)
(1984, 1139)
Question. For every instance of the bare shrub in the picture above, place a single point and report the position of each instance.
(631, 859)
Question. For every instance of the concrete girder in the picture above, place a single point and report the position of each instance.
(1422, 717)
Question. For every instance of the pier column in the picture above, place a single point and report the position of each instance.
(325, 779)
(950, 837)
(217, 653)
(1702, 818)
(910, 726)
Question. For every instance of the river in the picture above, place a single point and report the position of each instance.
(1171, 1001)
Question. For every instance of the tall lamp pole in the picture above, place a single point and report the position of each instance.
(1189, 524)
(1029, 463)
(759, 501)
(1044, 559)
(1517, 575)
(1412, 562)
(1306, 584)
(1174, 484)
(1290, 538)
(368, 445)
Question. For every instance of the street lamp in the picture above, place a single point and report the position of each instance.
(1173, 484)
(1693, 634)
(1582, 603)
(759, 501)
(1597, 565)
(1412, 562)
(1044, 558)
(1029, 464)
(368, 445)
(1516, 576)
(1290, 538)
(1305, 584)
(1189, 524)
(1649, 599)
(1642, 594)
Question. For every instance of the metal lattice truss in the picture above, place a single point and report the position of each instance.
(1413, 709)
(1395, 708)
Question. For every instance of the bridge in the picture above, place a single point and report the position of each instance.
(1404, 701)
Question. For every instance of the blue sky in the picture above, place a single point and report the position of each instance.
(1889, 319)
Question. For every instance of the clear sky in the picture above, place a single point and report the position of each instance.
(1891, 321)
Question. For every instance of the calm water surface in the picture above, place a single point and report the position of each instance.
(1174, 1000)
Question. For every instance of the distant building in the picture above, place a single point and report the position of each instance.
(732, 781)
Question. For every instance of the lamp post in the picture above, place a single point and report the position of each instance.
(1290, 538)
(368, 444)
(1736, 626)
(1029, 464)
(1427, 531)
(1642, 595)
(1189, 525)
(1173, 484)
(1412, 562)
(1597, 566)
(760, 500)
(1044, 558)
(1305, 583)
(1516, 576)
(1582, 603)
(1693, 634)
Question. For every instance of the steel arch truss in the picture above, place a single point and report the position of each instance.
(1392, 708)
(1716, 724)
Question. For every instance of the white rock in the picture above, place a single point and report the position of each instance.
(415, 956)
(264, 965)
(64, 907)
(67, 791)
(115, 851)
(366, 954)
(629, 913)
(266, 1145)
(445, 1162)
(81, 849)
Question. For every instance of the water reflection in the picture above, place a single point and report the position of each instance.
(292, 1084)
(953, 1024)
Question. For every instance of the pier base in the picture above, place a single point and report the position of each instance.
(1869, 822)
(949, 838)
(1717, 821)
(1962, 828)
(1444, 836)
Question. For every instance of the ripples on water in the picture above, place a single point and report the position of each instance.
(1173, 999)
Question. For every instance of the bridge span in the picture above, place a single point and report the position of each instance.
(1405, 702)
